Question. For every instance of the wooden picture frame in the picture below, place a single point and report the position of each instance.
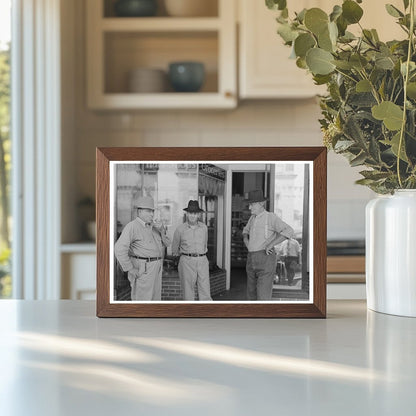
(276, 164)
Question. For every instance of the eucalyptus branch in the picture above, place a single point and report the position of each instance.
(373, 88)
(392, 91)
(405, 81)
(397, 95)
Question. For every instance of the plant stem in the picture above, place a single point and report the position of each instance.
(405, 81)
(373, 88)
(346, 75)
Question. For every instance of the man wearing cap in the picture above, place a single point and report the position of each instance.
(190, 243)
(140, 250)
(263, 231)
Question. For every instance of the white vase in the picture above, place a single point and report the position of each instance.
(391, 253)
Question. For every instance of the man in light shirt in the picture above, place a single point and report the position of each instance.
(190, 243)
(263, 231)
(140, 251)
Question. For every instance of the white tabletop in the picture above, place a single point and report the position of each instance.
(57, 358)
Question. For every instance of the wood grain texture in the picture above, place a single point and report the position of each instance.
(216, 309)
(346, 264)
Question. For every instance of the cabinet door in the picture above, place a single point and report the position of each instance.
(266, 71)
(78, 276)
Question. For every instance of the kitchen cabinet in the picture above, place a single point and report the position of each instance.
(346, 269)
(265, 70)
(118, 45)
(78, 263)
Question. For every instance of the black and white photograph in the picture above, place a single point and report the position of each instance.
(203, 232)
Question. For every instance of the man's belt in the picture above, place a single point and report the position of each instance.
(193, 254)
(147, 258)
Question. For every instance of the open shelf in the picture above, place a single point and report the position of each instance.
(126, 51)
(118, 45)
(209, 9)
(160, 24)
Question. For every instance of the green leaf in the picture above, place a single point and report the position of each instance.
(374, 174)
(353, 130)
(406, 4)
(393, 11)
(368, 36)
(316, 20)
(359, 160)
(287, 33)
(412, 67)
(396, 70)
(333, 32)
(374, 150)
(365, 182)
(325, 42)
(303, 43)
(394, 143)
(301, 15)
(391, 114)
(382, 89)
(321, 79)
(411, 90)
(342, 25)
(351, 11)
(336, 12)
(301, 63)
(375, 35)
(384, 62)
(276, 4)
(281, 19)
(319, 61)
(362, 99)
(344, 65)
(343, 145)
(358, 61)
(363, 86)
(347, 37)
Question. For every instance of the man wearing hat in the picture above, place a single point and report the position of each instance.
(140, 250)
(190, 243)
(263, 231)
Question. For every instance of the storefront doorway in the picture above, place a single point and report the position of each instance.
(242, 183)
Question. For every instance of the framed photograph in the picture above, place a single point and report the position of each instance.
(211, 232)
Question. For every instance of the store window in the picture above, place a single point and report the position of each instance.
(171, 186)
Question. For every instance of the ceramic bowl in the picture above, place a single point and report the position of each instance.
(147, 80)
(135, 8)
(186, 76)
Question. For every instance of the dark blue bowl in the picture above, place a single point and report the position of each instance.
(135, 8)
(186, 76)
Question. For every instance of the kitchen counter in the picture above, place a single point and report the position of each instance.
(57, 358)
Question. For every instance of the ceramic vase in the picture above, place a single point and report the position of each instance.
(391, 253)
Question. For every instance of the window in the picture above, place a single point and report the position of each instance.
(5, 145)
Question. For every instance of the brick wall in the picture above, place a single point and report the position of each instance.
(171, 287)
